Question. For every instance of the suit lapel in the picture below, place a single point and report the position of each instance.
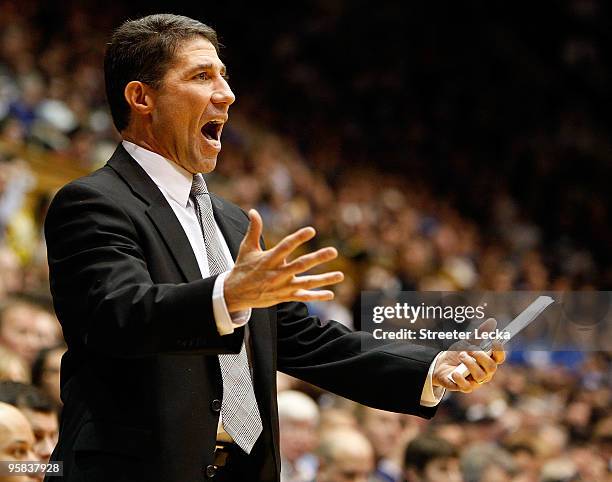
(171, 230)
(159, 211)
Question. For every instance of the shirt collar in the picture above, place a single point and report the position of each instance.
(167, 175)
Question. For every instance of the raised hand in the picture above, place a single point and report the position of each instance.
(262, 278)
(482, 366)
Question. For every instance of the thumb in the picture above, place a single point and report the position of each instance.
(488, 326)
(251, 238)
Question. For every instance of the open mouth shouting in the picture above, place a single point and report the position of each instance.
(212, 132)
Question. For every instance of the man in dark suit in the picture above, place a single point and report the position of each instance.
(175, 316)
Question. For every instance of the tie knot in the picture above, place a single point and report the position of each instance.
(198, 187)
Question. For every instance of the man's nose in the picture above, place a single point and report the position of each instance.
(45, 448)
(33, 340)
(223, 94)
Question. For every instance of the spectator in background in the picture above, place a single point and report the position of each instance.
(11, 279)
(39, 409)
(298, 418)
(431, 459)
(421, 237)
(16, 440)
(48, 328)
(16, 180)
(19, 330)
(560, 470)
(602, 437)
(345, 455)
(12, 366)
(384, 431)
(486, 463)
(46, 372)
(333, 418)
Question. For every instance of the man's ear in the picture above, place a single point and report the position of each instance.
(140, 97)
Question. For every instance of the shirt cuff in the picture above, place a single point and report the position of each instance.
(226, 321)
(431, 396)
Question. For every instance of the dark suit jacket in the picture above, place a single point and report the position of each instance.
(141, 381)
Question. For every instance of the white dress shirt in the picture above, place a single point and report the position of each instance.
(174, 182)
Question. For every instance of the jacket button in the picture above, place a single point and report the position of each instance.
(211, 471)
(215, 405)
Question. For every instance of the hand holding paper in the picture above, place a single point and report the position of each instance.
(464, 367)
(474, 365)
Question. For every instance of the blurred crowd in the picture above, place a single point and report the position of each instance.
(541, 419)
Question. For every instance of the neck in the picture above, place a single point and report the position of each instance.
(143, 138)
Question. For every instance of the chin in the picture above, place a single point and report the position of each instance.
(206, 165)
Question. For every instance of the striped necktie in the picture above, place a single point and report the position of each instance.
(241, 418)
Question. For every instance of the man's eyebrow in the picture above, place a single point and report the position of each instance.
(209, 66)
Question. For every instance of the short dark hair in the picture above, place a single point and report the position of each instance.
(142, 50)
(22, 395)
(425, 448)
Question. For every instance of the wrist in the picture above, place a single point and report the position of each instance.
(435, 378)
(231, 302)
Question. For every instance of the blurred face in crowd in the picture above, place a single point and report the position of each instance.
(16, 440)
(350, 458)
(19, 331)
(336, 418)
(496, 473)
(451, 432)
(50, 381)
(49, 329)
(46, 429)
(348, 469)
(13, 367)
(446, 469)
(383, 429)
(297, 437)
(9, 263)
(184, 117)
(590, 465)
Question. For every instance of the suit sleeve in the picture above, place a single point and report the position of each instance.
(384, 375)
(103, 293)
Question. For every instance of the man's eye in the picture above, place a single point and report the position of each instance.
(20, 453)
(202, 76)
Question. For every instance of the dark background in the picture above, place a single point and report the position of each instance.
(471, 98)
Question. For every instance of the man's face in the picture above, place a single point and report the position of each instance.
(446, 468)
(19, 332)
(191, 107)
(383, 429)
(348, 468)
(45, 428)
(16, 442)
(297, 438)
(51, 374)
(49, 329)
